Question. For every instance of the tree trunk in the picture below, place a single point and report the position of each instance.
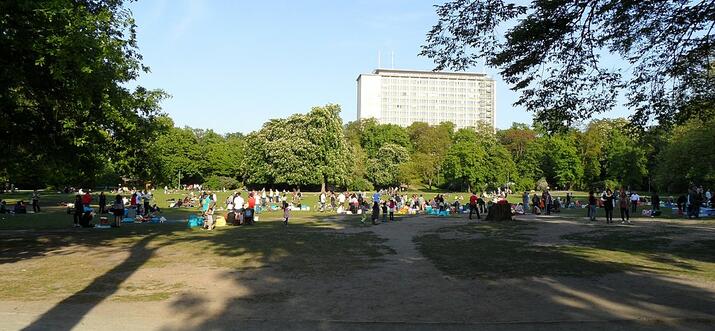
(322, 186)
(430, 184)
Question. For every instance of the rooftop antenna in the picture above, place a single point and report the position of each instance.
(379, 58)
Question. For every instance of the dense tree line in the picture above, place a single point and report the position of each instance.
(316, 151)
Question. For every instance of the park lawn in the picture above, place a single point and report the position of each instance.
(87, 263)
(507, 250)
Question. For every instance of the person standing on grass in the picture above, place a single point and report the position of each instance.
(35, 201)
(209, 213)
(525, 201)
(78, 210)
(286, 213)
(87, 199)
(473, 205)
(321, 199)
(251, 200)
(481, 204)
(655, 203)
(608, 205)
(391, 206)
(147, 202)
(623, 203)
(548, 201)
(383, 204)
(635, 199)
(102, 203)
(117, 210)
(592, 206)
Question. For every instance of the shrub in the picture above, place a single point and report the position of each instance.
(542, 184)
(220, 182)
(361, 184)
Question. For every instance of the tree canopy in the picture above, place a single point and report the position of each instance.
(66, 107)
(559, 54)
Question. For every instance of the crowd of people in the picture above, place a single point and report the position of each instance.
(241, 207)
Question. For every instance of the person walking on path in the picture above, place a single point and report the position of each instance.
(592, 206)
(375, 211)
(608, 205)
(623, 203)
(35, 201)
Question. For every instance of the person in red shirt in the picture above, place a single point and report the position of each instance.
(87, 199)
(251, 201)
(473, 205)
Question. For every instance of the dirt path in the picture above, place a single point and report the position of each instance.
(405, 292)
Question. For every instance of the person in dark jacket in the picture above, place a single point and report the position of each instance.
(78, 210)
(102, 203)
(608, 205)
(655, 202)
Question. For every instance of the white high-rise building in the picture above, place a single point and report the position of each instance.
(405, 96)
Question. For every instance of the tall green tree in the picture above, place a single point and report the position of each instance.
(430, 148)
(375, 135)
(66, 106)
(300, 150)
(561, 161)
(688, 157)
(551, 52)
(520, 141)
(466, 161)
(384, 169)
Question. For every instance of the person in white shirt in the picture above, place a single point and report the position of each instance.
(341, 199)
(635, 198)
(238, 202)
(229, 202)
(322, 201)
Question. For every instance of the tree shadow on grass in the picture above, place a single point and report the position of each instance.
(64, 316)
(298, 249)
(549, 285)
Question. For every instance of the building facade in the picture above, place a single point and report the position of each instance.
(403, 97)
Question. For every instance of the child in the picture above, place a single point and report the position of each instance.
(384, 211)
(209, 215)
(391, 206)
(286, 213)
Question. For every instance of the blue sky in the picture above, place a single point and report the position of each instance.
(232, 65)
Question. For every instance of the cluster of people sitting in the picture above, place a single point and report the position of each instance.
(19, 208)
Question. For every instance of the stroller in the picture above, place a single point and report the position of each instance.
(248, 216)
